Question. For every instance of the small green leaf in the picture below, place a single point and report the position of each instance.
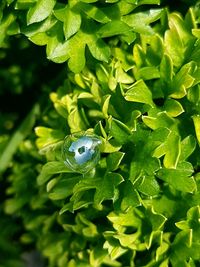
(147, 73)
(114, 160)
(76, 121)
(140, 21)
(71, 20)
(182, 81)
(196, 33)
(188, 145)
(94, 12)
(110, 146)
(106, 189)
(47, 136)
(179, 178)
(139, 92)
(149, 186)
(119, 131)
(51, 168)
(173, 108)
(160, 120)
(177, 39)
(196, 120)
(63, 188)
(166, 69)
(129, 196)
(40, 11)
(173, 147)
(106, 105)
(115, 27)
(99, 49)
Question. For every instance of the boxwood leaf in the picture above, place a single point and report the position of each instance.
(173, 108)
(119, 131)
(160, 120)
(129, 196)
(166, 68)
(188, 145)
(71, 20)
(179, 178)
(196, 120)
(99, 49)
(139, 92)
(173, 147)
(40, 11)
(106, 188)
(51, 168)
(149, 186)
(147, 73)
(115, 27)
(64, 188)
(94, 12)
(181, 81)
(47, 136)
(113, 160)
(140, 21)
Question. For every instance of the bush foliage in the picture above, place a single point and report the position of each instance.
(130, 73)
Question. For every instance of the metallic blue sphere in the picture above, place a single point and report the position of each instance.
(81, 151)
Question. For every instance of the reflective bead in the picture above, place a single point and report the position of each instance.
(81, 151)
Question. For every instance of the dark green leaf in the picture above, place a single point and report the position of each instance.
(51, 168)
(119, 131)
(179, 178)
(114, 160)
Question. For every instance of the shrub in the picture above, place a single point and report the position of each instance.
(132, 78)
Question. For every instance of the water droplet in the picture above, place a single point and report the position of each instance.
(81, 151)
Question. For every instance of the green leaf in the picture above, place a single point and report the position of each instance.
(149, 186)
(99, 49)
(106, 188)
(94, 12)
(179, 178)
(196, 120)
(171, 148)
(47, 136)
(19, 135)
(160, 120)
(182, 81)
(5, 24)
(106, 106)
(77, 57)
(113, 160)
(71, 20)
(51, 168)
(115, 27)
(110, 146)
(139, 92)
(140, 21)
(147, 73)
(76, 121)
(129, 197)
(183, 248)
(193, 94)
(119, 131)
(166, 69)
(40, 11)
(63, 188)
(177, 39)
(173, 108)
(188, 145)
